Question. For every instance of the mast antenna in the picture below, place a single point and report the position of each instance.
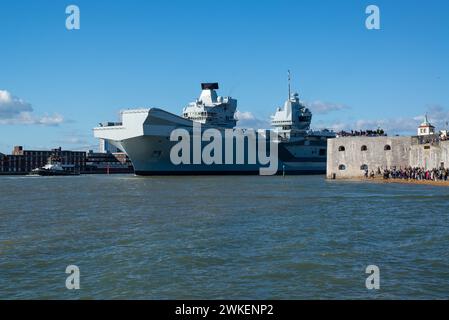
(289, 78)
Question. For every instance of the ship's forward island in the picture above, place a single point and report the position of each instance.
(147, 136)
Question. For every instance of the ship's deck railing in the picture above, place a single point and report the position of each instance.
(110, 124)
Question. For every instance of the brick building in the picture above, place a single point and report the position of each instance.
(23, 161)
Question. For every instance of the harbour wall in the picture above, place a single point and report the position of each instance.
(348, 157)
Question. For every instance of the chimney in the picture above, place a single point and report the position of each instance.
(17, 151)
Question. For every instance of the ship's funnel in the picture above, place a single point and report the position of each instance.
(209, 86)
(208, 94)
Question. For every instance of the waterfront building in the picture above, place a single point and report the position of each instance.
(23, 161)
(108, 162)
(106, 146)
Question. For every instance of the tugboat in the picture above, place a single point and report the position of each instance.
(54, 167)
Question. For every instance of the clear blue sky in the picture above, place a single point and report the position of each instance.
(156, 53)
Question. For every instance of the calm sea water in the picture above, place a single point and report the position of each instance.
(221, 237)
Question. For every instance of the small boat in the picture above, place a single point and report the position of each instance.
(54, 167)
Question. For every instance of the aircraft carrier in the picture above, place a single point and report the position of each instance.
(150, 136)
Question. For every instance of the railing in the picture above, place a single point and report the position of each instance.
(110, 124)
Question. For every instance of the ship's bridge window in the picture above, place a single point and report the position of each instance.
(342, 167)
(387, 147)
(341, 148)
(364, 148)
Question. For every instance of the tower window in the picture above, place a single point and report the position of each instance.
(364, 148)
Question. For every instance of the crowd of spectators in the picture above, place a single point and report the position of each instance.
(409, 173)
(362, 133)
